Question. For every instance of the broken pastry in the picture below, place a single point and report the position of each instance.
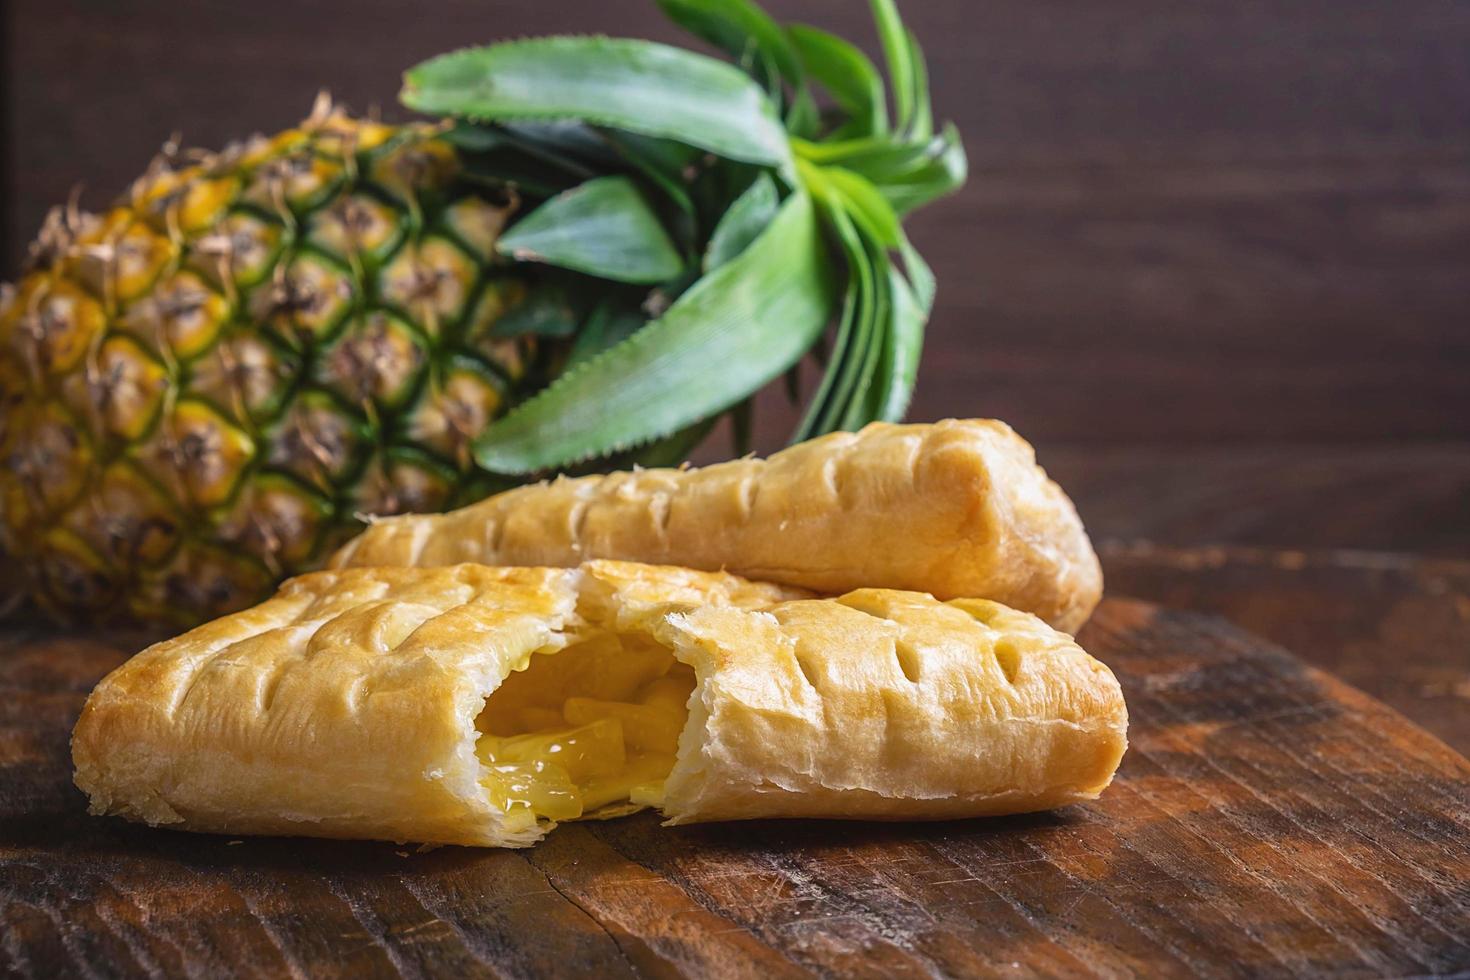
(958, 509)
(482, 705)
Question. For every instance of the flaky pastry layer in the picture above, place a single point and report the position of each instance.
(346, 706)
(958, 509)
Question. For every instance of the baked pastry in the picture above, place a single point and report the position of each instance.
(958, 509)
(479, 705)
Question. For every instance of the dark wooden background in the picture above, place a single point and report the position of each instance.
(1228, 241)
(1213, 258)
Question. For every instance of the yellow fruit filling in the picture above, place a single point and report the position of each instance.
(590, 730)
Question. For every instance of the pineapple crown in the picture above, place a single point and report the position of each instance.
(730, 215)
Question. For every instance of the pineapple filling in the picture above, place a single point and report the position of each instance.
(594, 725)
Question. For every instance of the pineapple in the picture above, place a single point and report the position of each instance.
(607, 245)
(205, 387)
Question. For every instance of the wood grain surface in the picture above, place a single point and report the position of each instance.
(1396, 626)
(1267, 821)
(1203, 222)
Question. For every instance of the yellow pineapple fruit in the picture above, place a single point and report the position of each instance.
(203, 388)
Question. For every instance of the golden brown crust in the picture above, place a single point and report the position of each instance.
(343, 707)
(346, 705)
(890, 706)
(957, 509)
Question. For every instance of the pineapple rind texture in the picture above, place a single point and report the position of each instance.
(205, 388)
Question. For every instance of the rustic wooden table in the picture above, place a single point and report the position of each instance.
(1396, 626)
(1268, 820)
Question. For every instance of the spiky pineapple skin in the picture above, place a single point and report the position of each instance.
(204, 389)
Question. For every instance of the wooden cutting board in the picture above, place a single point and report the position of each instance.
(1267, 820)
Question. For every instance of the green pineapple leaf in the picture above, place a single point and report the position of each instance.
(603, 228)
(696, 156)
(855, 326)
(847, 74)
(899, 54)
(606, 326)
(638, 86)
(758, 44)
(899, 366)
(744, 32)
(866, 205)
(742, 223)
(923, 122)
(666, 166)
(498, 156)
(734, 330)
(570, 139)
(942, 172)
(909, 175)
(549, 310)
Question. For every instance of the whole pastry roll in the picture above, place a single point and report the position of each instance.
(479, 705)
(958, 509)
